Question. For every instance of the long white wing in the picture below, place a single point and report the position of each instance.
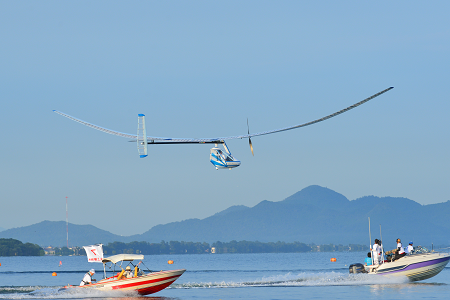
(152, 139)
(126, 135)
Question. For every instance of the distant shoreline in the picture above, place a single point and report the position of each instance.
(12, 247)
(175, 247)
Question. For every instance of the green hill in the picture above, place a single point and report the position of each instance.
(12, 247)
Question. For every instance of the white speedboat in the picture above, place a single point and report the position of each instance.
(421, 265)
(141, 282)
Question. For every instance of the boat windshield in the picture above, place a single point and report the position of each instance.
(420, 250)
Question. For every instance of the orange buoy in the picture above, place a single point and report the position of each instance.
(333, 259)
(54, 274)
(170, 262)
(0, 264)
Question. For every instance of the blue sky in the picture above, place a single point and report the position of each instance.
(200, 69)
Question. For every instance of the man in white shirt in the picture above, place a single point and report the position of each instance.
(87, 279)
(375, 252)
(128, 273)
(380, 252)
(410, 248)
(400, 252)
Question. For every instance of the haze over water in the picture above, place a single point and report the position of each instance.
(224, 276)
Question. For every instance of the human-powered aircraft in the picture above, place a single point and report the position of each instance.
(221, 159)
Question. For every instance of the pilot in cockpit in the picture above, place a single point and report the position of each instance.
(221, 155)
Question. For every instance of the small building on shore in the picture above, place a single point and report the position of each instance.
(49, 250)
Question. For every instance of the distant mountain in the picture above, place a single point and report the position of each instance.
(317, 215)
(232, 209)
(2, 229)
(49, 233)
(312, 215)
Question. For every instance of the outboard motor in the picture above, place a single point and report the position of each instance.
(356, 268)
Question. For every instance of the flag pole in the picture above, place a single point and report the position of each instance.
(370, 243)
(67, 224)
(382, 249)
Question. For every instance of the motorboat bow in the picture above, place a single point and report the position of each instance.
(141, 282)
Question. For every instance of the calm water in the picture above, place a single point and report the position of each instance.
(224, 276)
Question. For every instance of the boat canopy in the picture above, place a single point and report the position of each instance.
(122, 257)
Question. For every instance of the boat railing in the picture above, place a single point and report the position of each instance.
(419, 250)
(445, 250)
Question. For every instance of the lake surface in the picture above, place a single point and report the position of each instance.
(224, 276)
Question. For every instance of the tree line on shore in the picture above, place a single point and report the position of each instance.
(10, 247)
(175, 247)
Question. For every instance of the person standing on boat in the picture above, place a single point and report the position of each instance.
(87, 279)
(399, 252)
(380, 252)
(375, 251)
(410, 248)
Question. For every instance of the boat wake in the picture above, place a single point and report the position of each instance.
(42, 292)
(301, 279)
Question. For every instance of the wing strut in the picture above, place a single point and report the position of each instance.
(141, 136)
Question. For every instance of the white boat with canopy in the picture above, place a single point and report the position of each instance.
(139, 280)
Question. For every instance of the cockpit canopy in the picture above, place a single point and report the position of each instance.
(223, 155)
(223, 159)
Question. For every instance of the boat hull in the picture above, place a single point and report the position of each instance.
(416, 267)
(144, 285)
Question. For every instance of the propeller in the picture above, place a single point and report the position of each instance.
(249, 139)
